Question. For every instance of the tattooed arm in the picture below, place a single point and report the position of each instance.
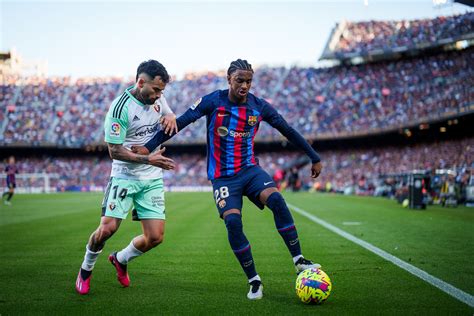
(118, 152)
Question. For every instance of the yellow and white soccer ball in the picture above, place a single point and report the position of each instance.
(313, 286)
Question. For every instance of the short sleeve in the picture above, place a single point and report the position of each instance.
(116, 124)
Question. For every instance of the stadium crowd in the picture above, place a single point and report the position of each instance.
(85, 107)
(371, 97)
(32, 109)
(357, 170)
(360, 169)
(363, 37)
(318, 102)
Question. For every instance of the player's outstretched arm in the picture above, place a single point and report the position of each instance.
(278, 122)
(190, 116)
(117, 151)
(298, 140)
(200, 108)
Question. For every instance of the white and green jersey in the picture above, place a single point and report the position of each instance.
(130, 122)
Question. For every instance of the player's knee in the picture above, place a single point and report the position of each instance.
(154, 240)
(280, 210)
(233, 222)
(104, 232)
(275, 201)
(265, 194)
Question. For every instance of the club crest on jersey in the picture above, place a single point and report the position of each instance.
(252, 120)
(222, 203)
(195, 105)
(112, 206)
(115, 129)
(156, 107)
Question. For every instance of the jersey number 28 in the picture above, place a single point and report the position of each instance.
(220, 194)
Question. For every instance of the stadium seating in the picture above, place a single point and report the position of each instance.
(323, 102)
(363, 37)
(356, 169)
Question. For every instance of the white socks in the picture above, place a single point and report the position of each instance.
(89, 259)
(296, 258)
(123, 256)
(127, 254)
(257, 277)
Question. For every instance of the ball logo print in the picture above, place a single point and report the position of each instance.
(115, 129)
(313, 286)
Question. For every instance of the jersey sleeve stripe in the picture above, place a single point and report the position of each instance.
(117, 105)
(121, 106)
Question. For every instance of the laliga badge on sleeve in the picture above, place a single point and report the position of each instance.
(195, 105)
(115, 129)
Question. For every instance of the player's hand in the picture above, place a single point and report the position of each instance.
(168, 124)
(158, 160)
(141, 150)
(316, 169)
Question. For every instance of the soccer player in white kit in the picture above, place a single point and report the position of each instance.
(136, 181)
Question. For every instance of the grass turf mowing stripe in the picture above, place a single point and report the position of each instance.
(440, 284)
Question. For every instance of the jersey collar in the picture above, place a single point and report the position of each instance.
(226, 97)
(127, 91)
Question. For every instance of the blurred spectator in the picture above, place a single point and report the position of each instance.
(294, 183)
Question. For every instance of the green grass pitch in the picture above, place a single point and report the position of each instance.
(42, 240)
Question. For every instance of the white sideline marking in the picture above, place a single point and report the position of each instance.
(440, 284)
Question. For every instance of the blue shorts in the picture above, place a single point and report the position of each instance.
(228, 192)
(11, 184)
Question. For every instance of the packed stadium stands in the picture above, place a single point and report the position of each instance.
(358, 170)
(320, 103)
(362, 100)
(360, 38)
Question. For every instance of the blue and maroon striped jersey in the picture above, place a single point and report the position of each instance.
(11, 171)
(231, 129)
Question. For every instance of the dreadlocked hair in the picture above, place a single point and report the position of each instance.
(241, 64)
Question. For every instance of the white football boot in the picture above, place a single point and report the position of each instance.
(303, 264)
(256, 290)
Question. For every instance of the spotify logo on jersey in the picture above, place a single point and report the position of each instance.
(222, 131)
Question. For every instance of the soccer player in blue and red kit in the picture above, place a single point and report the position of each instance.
(11, 170)
(233, 118)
